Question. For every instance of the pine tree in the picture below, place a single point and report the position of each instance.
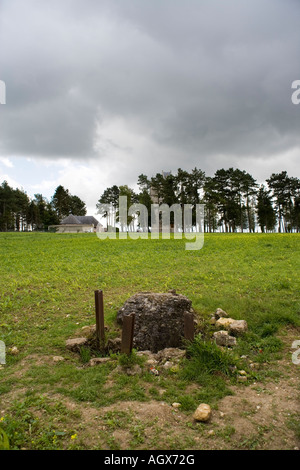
(265, 212)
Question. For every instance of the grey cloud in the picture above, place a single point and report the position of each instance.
(200, 79)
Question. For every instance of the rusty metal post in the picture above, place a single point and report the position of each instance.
(127, 333)
(99, 318)
(189, 330)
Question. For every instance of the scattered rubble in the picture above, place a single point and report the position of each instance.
(222, 338)
(224, 322)
(238, 327)
(229, 328)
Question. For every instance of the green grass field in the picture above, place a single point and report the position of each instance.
(47, 294)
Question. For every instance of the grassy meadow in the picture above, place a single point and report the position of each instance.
(47, 295)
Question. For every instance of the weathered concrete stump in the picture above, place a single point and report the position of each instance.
(159, 319)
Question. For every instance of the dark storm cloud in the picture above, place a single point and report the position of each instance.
(203, 80)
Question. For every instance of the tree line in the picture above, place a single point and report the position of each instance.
(20, 212)
(233, 200)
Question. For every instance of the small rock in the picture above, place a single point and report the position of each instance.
(224, 323)
(219, 313)
(14, 350)
(222, 414)
(75, 344)
(89, 329)
(222, 338)
(176, 405)
(238, 327)
(242, 378)
(58, 358)
(211, 432)
(242, 372)
(203, 413)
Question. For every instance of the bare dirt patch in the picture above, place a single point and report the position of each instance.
(259, 416)
(262, 415)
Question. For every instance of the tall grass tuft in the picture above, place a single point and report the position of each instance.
(207, 357)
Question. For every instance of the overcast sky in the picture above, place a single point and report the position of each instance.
(100, 91)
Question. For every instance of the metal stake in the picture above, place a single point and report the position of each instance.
(127, 333)
(99, 318)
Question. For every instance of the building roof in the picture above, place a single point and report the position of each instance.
(71, 219)
(79, 220)
(87, 219)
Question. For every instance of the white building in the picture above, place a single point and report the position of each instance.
(76, 224)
